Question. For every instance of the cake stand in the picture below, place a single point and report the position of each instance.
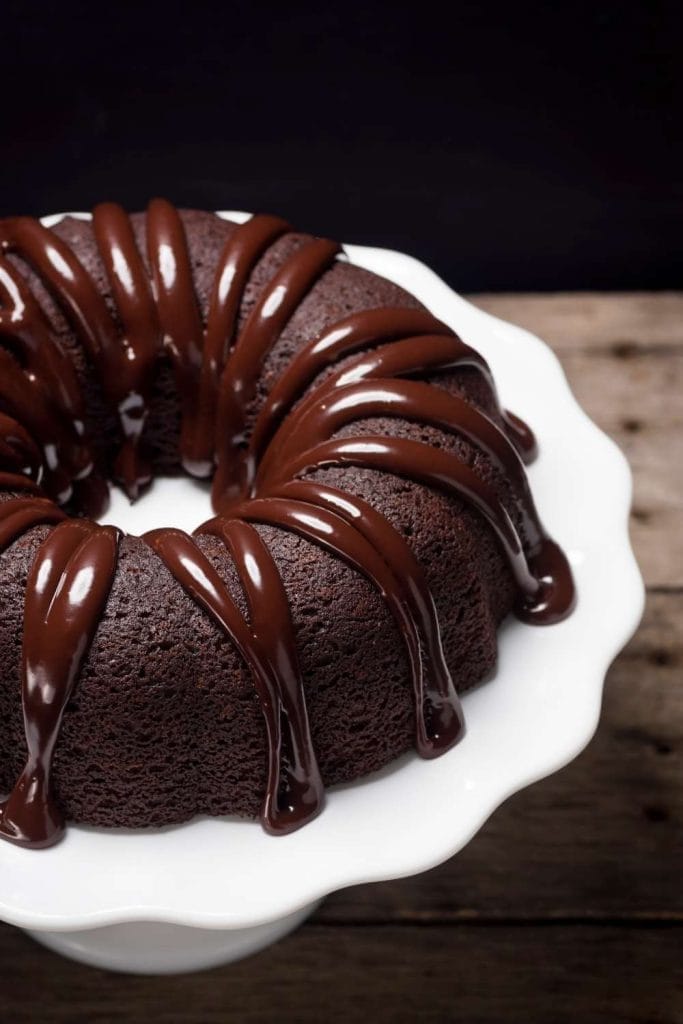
(215, 890)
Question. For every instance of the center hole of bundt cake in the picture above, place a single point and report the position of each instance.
(180, 502)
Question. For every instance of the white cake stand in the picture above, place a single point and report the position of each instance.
(215, 890)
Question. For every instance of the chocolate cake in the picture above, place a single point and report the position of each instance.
(373, 523)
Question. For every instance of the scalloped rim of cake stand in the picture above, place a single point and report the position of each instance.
(536, 714)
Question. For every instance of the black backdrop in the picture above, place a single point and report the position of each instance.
(516, 147)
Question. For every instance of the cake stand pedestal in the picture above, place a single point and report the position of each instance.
(151, 947)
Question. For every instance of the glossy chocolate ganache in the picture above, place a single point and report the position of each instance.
(369, 365)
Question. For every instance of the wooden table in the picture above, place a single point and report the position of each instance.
(568, 905)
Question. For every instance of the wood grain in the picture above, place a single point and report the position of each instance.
(568, 905)
(594, 321)
(475, 974)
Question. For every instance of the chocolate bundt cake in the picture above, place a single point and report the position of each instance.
(373, 522)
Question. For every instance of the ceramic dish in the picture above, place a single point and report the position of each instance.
(215, 889)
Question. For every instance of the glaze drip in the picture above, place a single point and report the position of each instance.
(427, 345)
(120, 368)
(353, 530)
(38, 386)
(17, 515)
(362, 367)
(294, 793)
(199, 354)
(302, 445)
(238, 383)
(18, 482)
(66, 593)
(18, 450)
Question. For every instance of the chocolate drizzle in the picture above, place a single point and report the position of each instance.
(354, 531)
(426, 345)
(260, 476)
(294, 793)
(66, 593)
(302, 445)
(199, 355)
(264, 326)
(38, 386)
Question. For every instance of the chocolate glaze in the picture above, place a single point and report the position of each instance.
(45, 453)
(66, 593)
(131, 356)
(17, 515)
(301, 446)
(294, 792)
(262, 329)
(199, 354)
(120, 367)
(18, 482)
(354, 531)
(18, 450)
(428, 345)
(38, 386)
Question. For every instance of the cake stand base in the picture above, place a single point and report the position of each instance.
(146, 947)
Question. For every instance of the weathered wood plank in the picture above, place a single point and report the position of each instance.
(594, 321)
(602, 838)
(629, 397)
(470, 973)
(656, 459)
(623, 356)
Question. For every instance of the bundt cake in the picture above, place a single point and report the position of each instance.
(373, 522)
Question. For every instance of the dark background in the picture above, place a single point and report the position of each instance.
(519, 147)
